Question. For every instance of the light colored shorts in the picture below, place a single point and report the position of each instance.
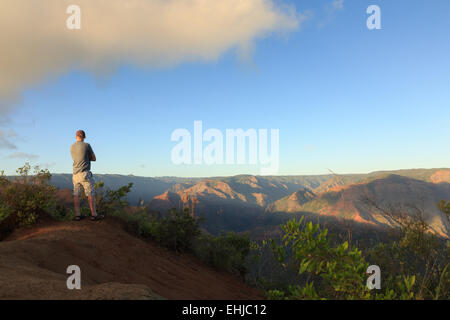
(85, 180)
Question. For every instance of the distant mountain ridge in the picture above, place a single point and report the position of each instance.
(146, 188)
(237, 202)
(393, 192)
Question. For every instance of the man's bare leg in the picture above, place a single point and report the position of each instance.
(76, 202)
(91, 201)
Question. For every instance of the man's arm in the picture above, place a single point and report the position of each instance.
(91, 154)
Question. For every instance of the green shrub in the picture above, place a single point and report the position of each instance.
(225, 252)
(177, 230)
(26, 199)
(108, 200)
(338, 270)
(414, 264)
(445, 208)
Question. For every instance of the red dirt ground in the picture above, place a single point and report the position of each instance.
(114, 265)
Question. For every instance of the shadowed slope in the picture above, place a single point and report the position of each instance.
(394, 190)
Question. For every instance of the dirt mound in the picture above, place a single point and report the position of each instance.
(114, 265)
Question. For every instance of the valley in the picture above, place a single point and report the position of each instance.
(246, 202)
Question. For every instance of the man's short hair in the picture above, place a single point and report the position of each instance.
(81, 134)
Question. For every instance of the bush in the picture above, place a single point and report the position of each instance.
(418, 253)
(411, 269)
(26, 199)
(177, 230)
(338, 270)
(225, 252)
(108, 200)
(445, 208)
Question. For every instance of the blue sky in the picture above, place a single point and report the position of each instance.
(343, 98)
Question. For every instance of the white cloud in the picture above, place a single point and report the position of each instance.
(5, 139)
(23, 155)
(36, 44)
(338, 4)
(331, 10)
(46, 165)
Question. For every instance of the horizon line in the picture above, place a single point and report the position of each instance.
(256, 175)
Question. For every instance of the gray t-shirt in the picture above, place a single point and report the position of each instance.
(81, 153)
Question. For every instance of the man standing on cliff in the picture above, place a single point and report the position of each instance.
(82, 155)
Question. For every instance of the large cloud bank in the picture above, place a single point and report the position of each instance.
(36, 45)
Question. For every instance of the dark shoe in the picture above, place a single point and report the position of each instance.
(77, 218)
(97, 217)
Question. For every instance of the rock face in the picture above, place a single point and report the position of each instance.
(230, 203)
(396, 192)
(114, 265)
(294, 202)
(235, 203)
(441, 176)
